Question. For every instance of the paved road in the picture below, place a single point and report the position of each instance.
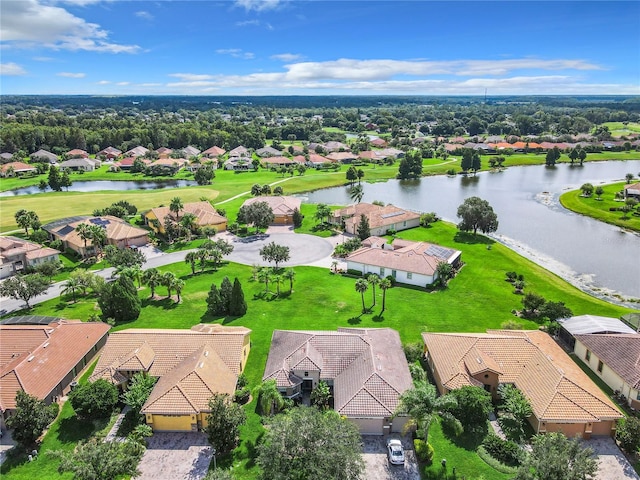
(305, 250)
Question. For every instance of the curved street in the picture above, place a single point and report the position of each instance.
(304, 250)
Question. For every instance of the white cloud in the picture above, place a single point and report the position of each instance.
(103, 82)
(144, 15)
(11, 69)
(236, 53)
(71, 75)
(248, 23)
(287, 57)
(259, 5)
(191, 77)
(31, 23)
(122, 84)
(43, 59)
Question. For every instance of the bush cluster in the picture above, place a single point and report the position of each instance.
(505, 451)
(424, 451)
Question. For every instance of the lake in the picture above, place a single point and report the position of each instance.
(98, 185)
(596, 257)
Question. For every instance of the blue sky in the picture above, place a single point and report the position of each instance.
(315, 47)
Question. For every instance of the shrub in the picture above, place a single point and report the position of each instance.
(628, 434)
(355, 273)
(505, 451)
(97, 399)
(511, 276)
(424, 451)
(242, 380)
(413, 351)
(494, 463)
(242, 395)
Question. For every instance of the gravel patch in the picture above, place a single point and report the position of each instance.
(612, 464)
(175, 456)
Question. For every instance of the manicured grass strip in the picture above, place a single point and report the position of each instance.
(599, 209)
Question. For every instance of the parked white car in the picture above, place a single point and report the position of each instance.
(395, 451)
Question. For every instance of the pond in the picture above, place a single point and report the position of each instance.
(596, 257)
(98, 185)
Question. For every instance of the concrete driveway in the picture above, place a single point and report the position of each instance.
(612, 464)
(176, 456)
(377, 466)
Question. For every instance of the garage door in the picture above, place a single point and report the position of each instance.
(368, 426)
(167, 423)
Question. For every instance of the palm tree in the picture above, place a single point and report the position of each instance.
(361, 287)
(356, 193)
(360, 174)
(175, 206)
(322, 212)
(373, 280)
(385, 284)
(153, 279)
(421, 403)
(85, 234)
(290, 274)
(264, 275)
(270, 399)
(168, 280)
(277, 279)
(73, 286)
(178, 285)
(191, 258)
(98, 236)
(256, 190)
(134, 272)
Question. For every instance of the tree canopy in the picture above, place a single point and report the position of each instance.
(30, 418)
(305, 443)
(275, 253)
(477, 214)
(223, 423)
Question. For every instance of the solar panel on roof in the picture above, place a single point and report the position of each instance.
(392, 214)
(438, 252)
(29, 320)
(103, 222)
(65, 230)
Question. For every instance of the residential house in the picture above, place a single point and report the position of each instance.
(81, 164)
(563, 398)
(332, 146)
(632, 190)
(43, 155)
(191, 366)
(6, 157)
(378, 143)
(190, 151)
(615, 358)
(43, 360)
(77, 153)
(365, 368)
(13, 169)
(213, 152)
(274, 162)
(412, 263)
(138, 151)
(315, 160)
(282, 207)
(381, 218)
(119, 233)
(238, 164)
(109, 153)
(240, 152)
(588, 324)
(268, 152)
(172, 165)
(127, 163)
(342, 157)
(16, 255)
(164, 152)
(206, 216)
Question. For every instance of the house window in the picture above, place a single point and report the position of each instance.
(393, 273)
(306, 374)
(404, 224)
(600, 365)
(382, 271)
(409, 275)
(587, 355)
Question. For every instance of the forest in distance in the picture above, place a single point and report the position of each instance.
(92, 123)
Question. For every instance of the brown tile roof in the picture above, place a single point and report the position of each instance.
(280, 160)
(367, 366)
(341, 156)
(77, 152)
(137, 151)
(281, 205)
(214, 152)
(414, 257)
(378, 216)
(11, 248)
(117, 229)
(558, 390)
(171, 162)
(36, 358)
(619, 352)
(204, 212)
(17, 167)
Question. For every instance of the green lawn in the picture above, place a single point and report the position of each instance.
(477, 299)
(599, 209)
(619, 129)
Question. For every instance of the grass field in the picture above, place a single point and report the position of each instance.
(479, 298)
(618, 129)
(599, 209)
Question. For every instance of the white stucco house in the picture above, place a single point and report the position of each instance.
(413, 263)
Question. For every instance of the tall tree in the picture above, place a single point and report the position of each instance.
(421, 403)
(385, 284)
(269, 398)
(191, 258)
(226, 291)
(373, 280)
(120, 300)
(305, 443)
(24, 287)
(94, 400)
(275, 253)
(176, 206)
(84, 232)
(54, 179)
(553, 155)
(290, 274)
(322, 212)
(214, 301)
(138, 391)
(223, 423)
(361, 287)
(352, 175)
(363, 229)
(30, 418)
(238, 305)
(26, 219)
(153, 279)
(477, 214)
(356, 193)
(259, 214)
